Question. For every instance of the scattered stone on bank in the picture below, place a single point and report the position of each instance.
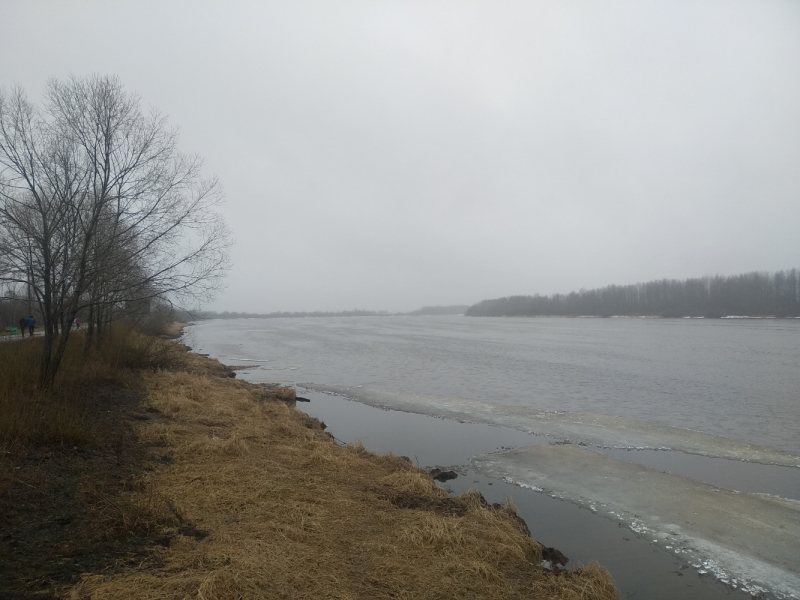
(554, 556)
(440, 475)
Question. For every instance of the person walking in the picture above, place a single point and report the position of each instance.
(23, 323)
(31, 324)
(77, 322)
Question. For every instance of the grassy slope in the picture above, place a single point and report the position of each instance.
(201, 486)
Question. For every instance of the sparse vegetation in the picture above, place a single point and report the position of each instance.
(190, 484)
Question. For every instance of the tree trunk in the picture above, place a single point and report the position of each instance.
(46, 373)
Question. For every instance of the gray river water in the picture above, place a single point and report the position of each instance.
(668, 450)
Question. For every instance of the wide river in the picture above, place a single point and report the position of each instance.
(671, 428)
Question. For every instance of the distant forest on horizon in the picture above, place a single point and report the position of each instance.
(756, 294)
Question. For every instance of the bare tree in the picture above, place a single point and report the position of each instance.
(98, 207)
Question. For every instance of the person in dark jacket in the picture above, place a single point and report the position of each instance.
(31, 324)
(23, 323)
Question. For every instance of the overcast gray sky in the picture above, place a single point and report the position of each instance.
(389, 155)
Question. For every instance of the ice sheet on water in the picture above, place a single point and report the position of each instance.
(749, 541)
(599, 430)
(249, 359)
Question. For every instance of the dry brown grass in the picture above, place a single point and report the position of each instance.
(174, 329)
(28, 415)
(63, 454)
(211, 488)
(258, 502)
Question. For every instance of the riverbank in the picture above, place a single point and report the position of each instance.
(195, 484)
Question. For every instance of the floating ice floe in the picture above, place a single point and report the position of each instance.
(748, 541)
(599, 430)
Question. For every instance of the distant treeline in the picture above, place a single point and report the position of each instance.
(455, 309)
(757, 294)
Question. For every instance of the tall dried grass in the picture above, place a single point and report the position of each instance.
(30, 415)
(266, 505)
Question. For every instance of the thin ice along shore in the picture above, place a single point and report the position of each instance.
(749, 540)
(598, 430)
